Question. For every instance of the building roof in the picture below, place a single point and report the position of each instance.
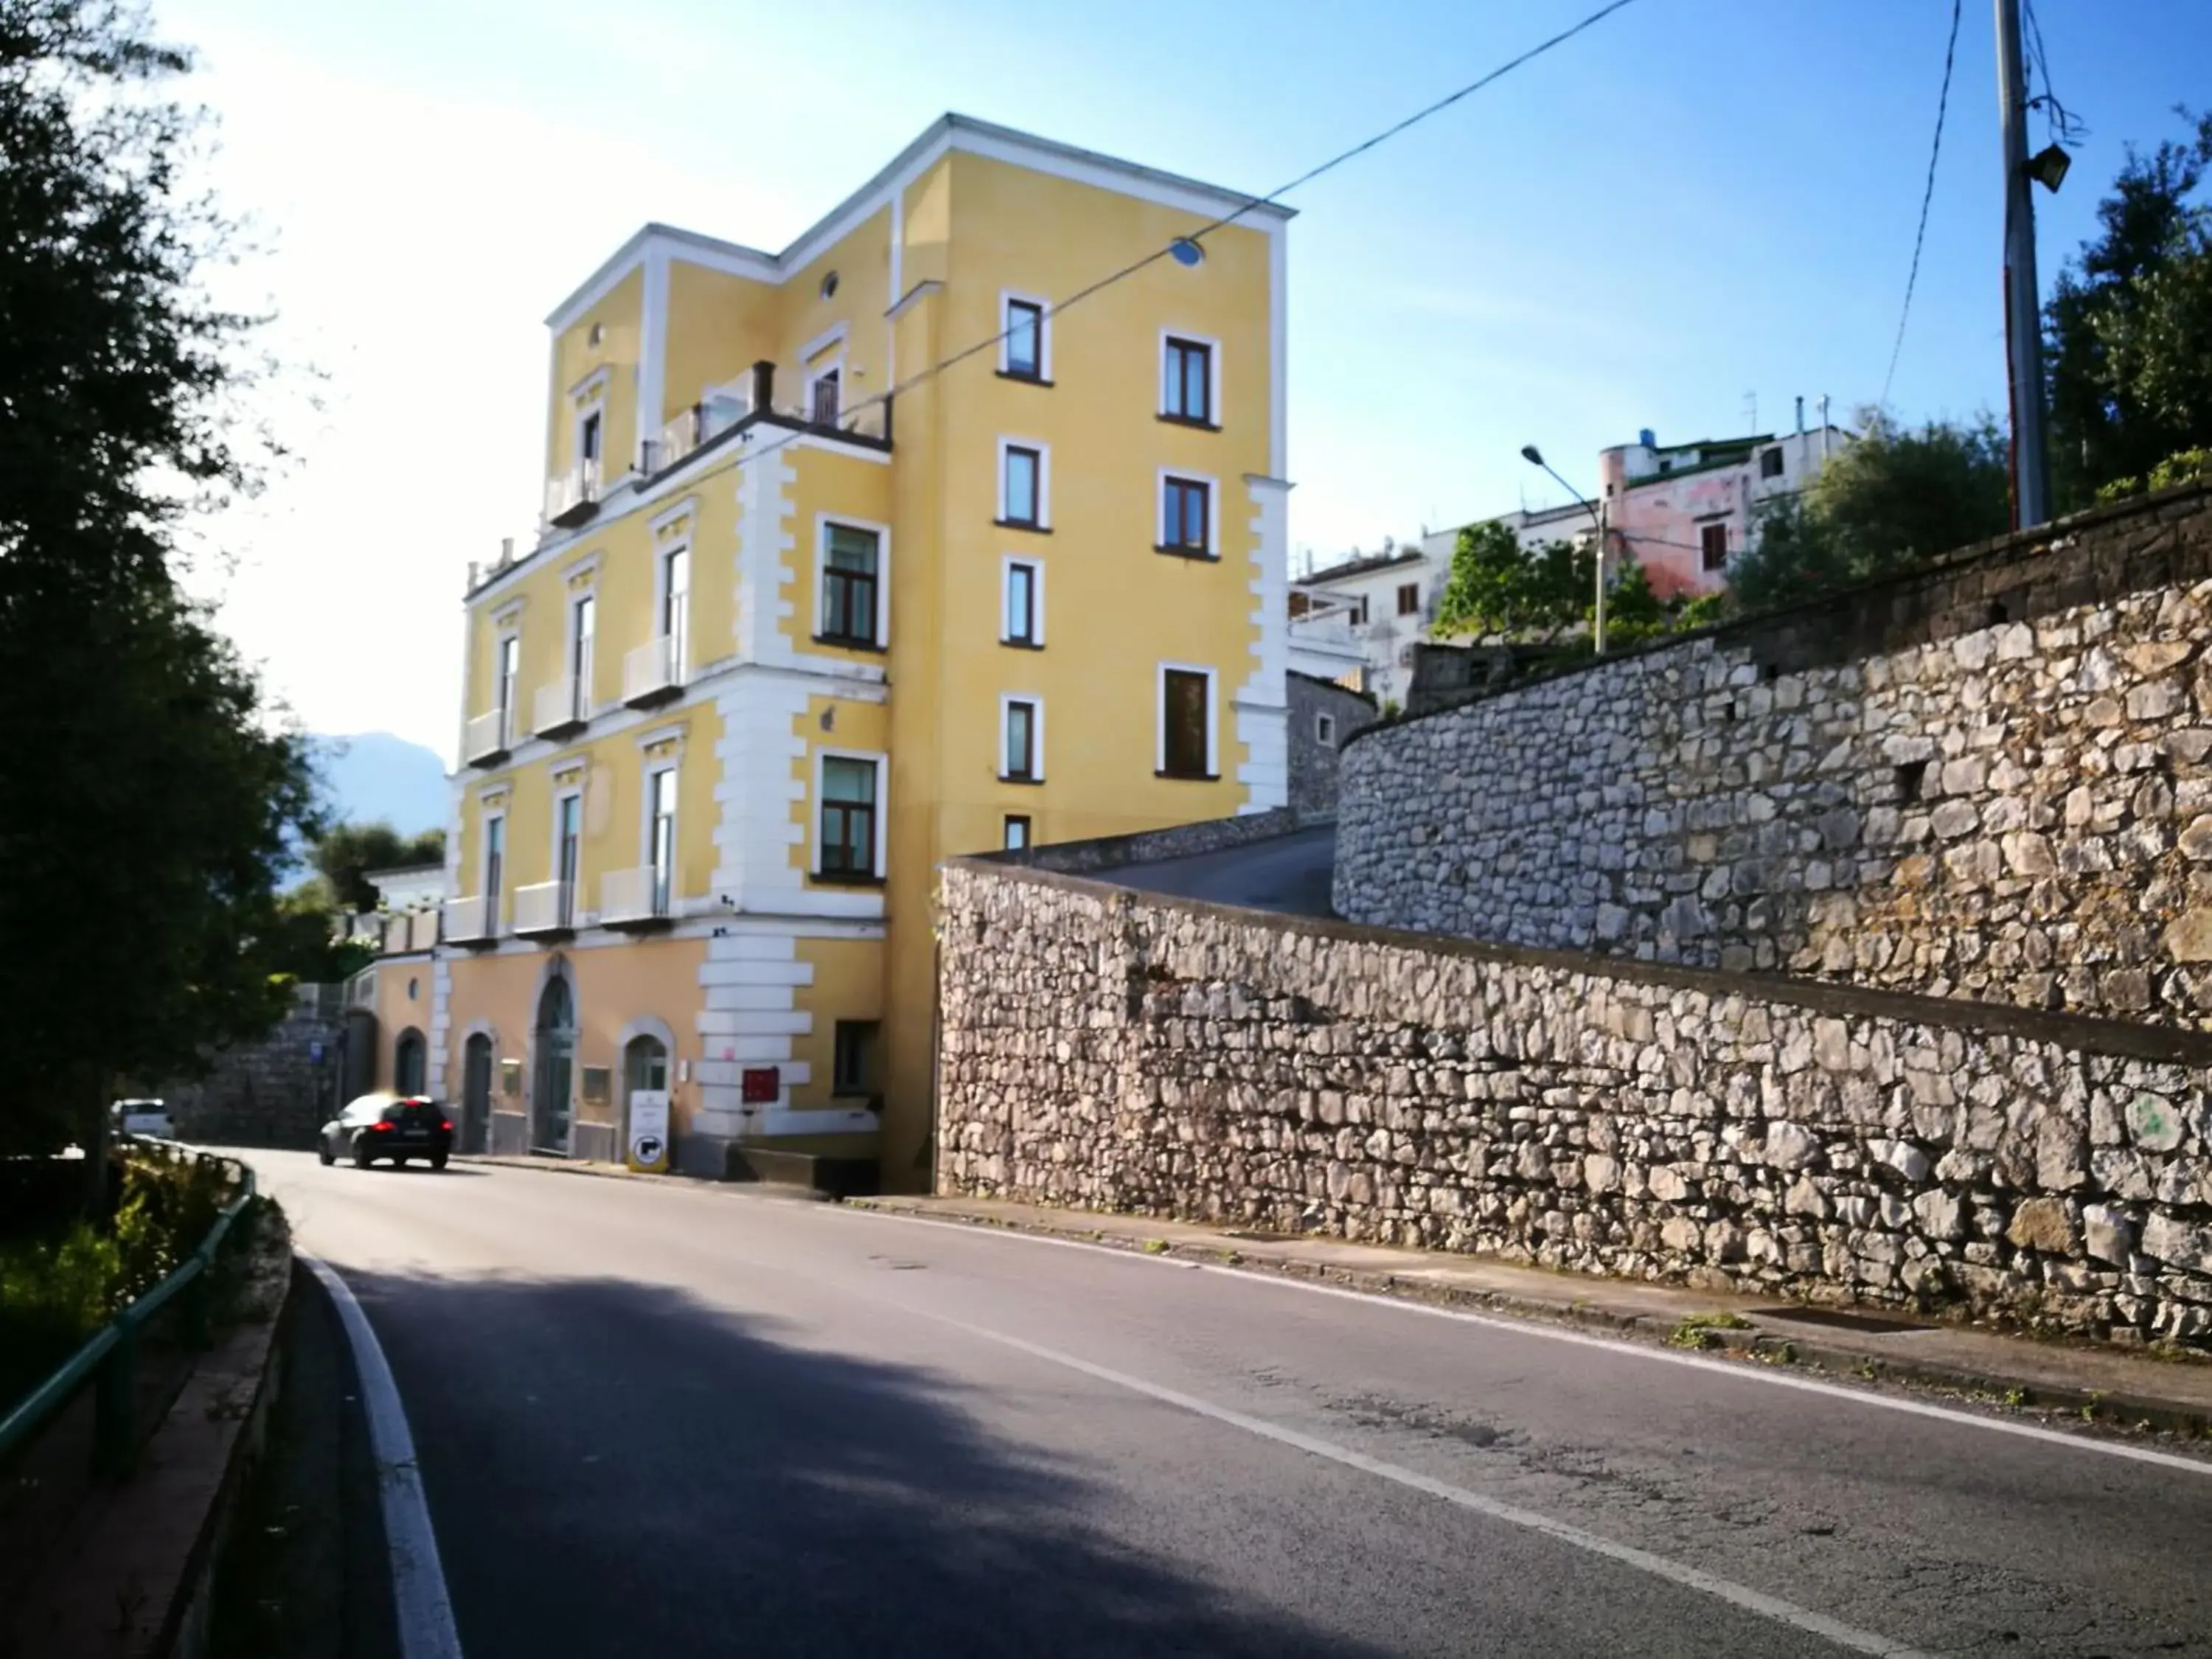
(948, 132)
(1363, 566)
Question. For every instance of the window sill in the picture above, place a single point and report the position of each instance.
(1190, 777)
(1198, 555)
(1026, 380)
(846, 878)
(1007, 777)
(1022, 645)
(1020, 523)
(844, 644)
(1189, 421)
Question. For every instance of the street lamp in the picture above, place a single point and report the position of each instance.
(1535, 457)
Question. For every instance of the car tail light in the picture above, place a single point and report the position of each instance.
(447, 1124)
(380, 1126)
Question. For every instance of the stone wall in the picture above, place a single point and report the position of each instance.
(276, 1092)
(1119, 1051)
(1313, 759)
(1991, 780)
(1144, 846)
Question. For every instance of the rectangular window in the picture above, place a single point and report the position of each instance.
(568, 834)
(1770, 462)
(1024, 342)
(1186, 720)
(495, 868)
(1184, 516)
(587, 440)
(1190, 381)
(853, 1070)
(848, 817)
(1325, 730)
(1021, 494)
(676, 607)
(849, 586)
(1713, 539)
(1019, 750)
(825, 399)
(510, 662)
(1409, 599)
(1359, 611)
(660, 838)
(1018, 831)
(1024, 623)
(584, 628)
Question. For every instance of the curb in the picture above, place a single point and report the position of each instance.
(2117, 1411)
(622, 1172)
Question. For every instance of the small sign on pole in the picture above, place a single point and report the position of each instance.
(648, 1129)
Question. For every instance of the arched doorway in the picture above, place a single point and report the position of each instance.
(475, 1093)
(556, 1055)
(645, 1071)
(410, 1063)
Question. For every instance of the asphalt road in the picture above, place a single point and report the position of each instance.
(1290, 873)
(671, 1421)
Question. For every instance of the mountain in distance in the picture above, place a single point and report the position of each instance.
(373, 774)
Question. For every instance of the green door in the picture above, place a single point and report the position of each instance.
(556, 1056)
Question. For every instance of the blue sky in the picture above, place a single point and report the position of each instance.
(1694, 202)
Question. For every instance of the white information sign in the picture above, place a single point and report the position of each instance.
(648, 1129)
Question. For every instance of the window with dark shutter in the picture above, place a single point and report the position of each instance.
(1189, 377)
(1019, 749)
(1024, 340)
(1184, 715)
(849, 586)
(848, 817)
(1184, 518)
(1713, 539)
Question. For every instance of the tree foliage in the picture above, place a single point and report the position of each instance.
(1892, 499)
(1499, 589)
(2127, 329)
(149, 794)
(344, 854)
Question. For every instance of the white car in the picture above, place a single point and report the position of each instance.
(144, 1117)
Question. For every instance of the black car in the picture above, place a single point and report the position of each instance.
(389, 1126)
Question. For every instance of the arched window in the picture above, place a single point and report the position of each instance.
(410, 1063)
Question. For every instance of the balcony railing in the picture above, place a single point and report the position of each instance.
(545, 907)
(635, 898)
(561, 706)
(488, 738)
(653, 671)
(472, 921)
(574, 497)
(696, 427)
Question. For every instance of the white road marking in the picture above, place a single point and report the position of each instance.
(418, 1583)
(1738, 1595)
(1537, 1328)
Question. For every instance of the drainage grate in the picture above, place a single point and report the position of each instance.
(1838, 1319)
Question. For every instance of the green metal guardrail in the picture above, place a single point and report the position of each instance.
(110, 1359)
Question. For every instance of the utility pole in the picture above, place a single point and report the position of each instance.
(1597, 619)
(2031, 489)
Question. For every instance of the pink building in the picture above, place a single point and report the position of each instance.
(1685, 511)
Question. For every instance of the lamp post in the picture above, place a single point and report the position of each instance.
(1535, 457)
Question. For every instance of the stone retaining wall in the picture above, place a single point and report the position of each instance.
(1992, 779)
(276, 1092)
(1117, 1051)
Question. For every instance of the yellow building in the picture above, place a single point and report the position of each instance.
(787, 639)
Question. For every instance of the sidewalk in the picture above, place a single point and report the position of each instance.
(2129, 1391)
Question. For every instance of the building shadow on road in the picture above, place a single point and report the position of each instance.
(618, 1468)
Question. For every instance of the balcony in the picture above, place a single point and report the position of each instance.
(473, 920)
(695, 428)
(654, 673)
(488, 738)
(545, 911)
(562, 707)
(635, 900)
(574, 497)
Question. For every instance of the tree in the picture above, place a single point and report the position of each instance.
(151, 792)
(1632, 611)
(1895, 499)
(2128, 330)
(1498, 587)
(345, 852)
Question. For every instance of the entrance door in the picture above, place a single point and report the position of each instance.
(645, 1103)
(475, 1094)
(556, 1055)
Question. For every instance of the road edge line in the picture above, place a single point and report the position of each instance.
(424, 1612)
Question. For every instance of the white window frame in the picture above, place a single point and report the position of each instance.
(484, 823)
(1160, 715)
(662, 552)
(1044, 480)
(1325, 730)
(882, 533)
(1007, 299)
(1028, 821)
(506, 689)
(819, 372)
(1212, 510)
(1006, 699)
(650, 778)
(882, 762)
(585, 705)
(553, 865)
(1034, 566)
(1212, 373)
(582, 413)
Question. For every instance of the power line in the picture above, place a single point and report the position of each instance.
(1273, 196)
(2061, 125)
(1927, 195)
